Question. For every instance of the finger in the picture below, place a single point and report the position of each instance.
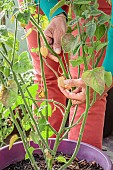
(74, 82)
(57, 41)
(48, 36)
(76, 102)
(52, 57)
(72, 95)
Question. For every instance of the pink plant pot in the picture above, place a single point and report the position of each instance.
(88, 152)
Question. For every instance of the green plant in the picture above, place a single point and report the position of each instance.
(16, 93)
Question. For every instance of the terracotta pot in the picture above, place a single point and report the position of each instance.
(86, 151)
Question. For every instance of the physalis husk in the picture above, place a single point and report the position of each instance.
(61, 81)
(44, 51)
(47, 153)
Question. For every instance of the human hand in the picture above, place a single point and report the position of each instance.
(78, 96)
(54, 32)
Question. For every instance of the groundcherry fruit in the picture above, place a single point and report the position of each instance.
(44, 51)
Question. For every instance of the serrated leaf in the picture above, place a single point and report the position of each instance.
(95, 79)
(69, 42)
(108, 78)
(13, 139)
(61, 159)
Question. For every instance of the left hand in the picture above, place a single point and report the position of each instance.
(78, 96)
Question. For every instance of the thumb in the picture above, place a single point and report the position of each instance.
(57, 42)
(74, 82)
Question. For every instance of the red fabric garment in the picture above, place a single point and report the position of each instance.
(104, 6)
(93, 131)
(94, 126)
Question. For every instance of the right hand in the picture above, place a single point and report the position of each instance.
(53, 33)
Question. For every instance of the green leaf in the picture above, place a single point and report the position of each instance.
(108, 78)
(76, 49)
(79, 61)
(44, 108)
(96, 12)
(100, 31)
(101, 45)
(69, 42)
(42, 123)
(90, 29)
(95, 79)
(24, 17)
(44, 133)
(103, 19)
(35, 137)
(23, 64)
(26, 122)
(58, 5)
(3, 31)
(10, 41)
(61, 159)
(33, 91)
(6, 72)
(31, 150)
(13, 139)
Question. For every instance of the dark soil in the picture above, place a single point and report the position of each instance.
(76, 164)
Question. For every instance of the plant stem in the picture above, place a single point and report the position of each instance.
(48, 46)
(30, 114)
(3, 46)
(14, 44)
(68, 129)
(5, 58)
(62, 126)
(23, 140)
(81, 132)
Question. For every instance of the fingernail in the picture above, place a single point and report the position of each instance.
(57, 50)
